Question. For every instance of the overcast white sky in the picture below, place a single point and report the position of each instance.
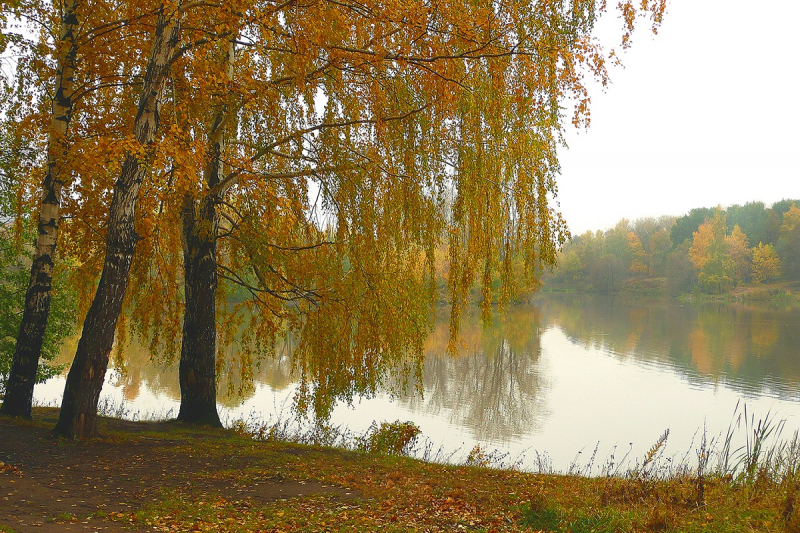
(705, 113)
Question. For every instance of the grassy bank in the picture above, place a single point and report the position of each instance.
(169, 477)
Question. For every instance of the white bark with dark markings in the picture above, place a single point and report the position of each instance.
(22, 377)
(78, 417)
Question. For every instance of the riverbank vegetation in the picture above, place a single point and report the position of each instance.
(747, 252)
(174, 477)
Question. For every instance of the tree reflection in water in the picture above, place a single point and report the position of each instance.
(494, 386)
(751, 347)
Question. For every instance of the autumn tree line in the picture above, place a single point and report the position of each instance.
(312, 155)
(709, 249)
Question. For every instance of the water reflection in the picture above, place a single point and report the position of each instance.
(137, 367)
(495, 385)
(557, 375)
(751, 348)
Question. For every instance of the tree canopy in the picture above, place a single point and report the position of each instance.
(719, 255)
(318, 152)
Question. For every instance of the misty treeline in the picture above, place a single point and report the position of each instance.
(710, 249)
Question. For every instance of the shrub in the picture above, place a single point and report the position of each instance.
(391, 438)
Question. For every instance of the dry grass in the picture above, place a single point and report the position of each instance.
(716, 487)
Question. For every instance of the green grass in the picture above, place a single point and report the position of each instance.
(64, 517)
(544, 518)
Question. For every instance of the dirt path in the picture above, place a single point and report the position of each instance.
(50, 485)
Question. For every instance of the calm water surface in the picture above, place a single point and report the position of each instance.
(557, 376)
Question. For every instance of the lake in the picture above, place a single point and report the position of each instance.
(555, 378)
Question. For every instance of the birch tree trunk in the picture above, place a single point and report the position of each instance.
(199, 344)
(21, 379)
(78, 418)
(200, 224)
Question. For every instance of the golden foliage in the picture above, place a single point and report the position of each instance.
(711, 254)
(638, 255)
(358, 139)
(739, 250)
(766, 263)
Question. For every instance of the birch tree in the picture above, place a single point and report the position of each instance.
(364, 136)
(78, 416)
(380, 112)
(21, 379)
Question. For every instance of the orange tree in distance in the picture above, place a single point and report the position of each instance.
(710, 254)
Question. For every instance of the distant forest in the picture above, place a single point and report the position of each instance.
(710, 249)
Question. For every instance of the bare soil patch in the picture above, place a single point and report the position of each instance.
(47, 484)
